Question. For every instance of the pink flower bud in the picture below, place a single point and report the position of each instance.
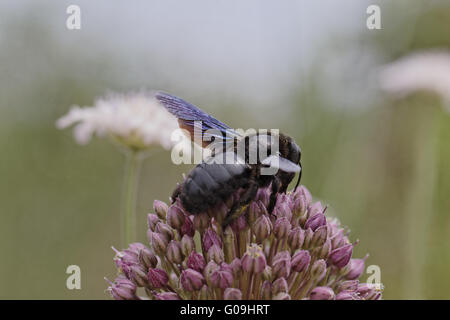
(282, 255)
(147, 258)
(308, 238)
(341, 256)
(215, 253)
(368, 292)
(315, 208)
(318, 270)
(187, 245)
(299, 206)
(174, 253)
(355, 268)
(282, 209)
(267, 273)
(306, 193)
(319, 236)
(167, 296)
(324, 251)
(282, 228)
(261, 228)
(211, 238)
(281, 267)
(157, 278)
(196, 261)
(175, 217)
(135, 247)
(232, 294)
(222, 277)
(165, 230)
(122, 289)
(211, 266)
(316, 221)
(347, 295)
(126, 257)
(282, 296)
(349, 285)
(188, 227)
(191, 280)
(239, 224)
(138, 275)
(363, 289)
(279, 285)
(300, 261)
(159, 243)
(152, 221)
(295, 238)
(339, 240)
(160, 209)
(322, 293)
(254, 259)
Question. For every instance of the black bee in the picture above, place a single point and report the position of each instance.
(211, 183)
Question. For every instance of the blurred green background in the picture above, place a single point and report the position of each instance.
(307, 67)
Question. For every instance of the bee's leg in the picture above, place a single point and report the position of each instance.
(276, 184)
(245, 199)
(176, 193)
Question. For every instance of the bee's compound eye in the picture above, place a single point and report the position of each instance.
(295, 153)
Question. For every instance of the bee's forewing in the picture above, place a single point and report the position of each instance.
(194, 119)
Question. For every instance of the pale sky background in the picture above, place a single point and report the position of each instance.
(204, 46)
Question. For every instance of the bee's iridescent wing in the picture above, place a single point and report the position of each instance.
(190, 118)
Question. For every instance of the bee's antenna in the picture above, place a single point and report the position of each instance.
(299, 177)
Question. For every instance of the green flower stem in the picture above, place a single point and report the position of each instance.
(228, 245)
(250, 285)
(420, 204)
(132, 167)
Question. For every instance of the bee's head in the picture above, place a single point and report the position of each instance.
(291, 151)
(284, 157)
(294, 152)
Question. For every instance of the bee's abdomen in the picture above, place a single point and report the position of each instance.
(209, 184)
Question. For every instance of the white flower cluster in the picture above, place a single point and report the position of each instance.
(135, 120)
(428, 71)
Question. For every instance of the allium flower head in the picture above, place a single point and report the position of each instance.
(294, 253)
(135, 120)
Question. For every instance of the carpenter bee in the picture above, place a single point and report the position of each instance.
(213, 182)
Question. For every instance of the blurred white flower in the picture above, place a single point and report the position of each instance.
(429, 71)
(134, 119)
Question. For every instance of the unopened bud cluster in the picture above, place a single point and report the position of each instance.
(293, 253)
